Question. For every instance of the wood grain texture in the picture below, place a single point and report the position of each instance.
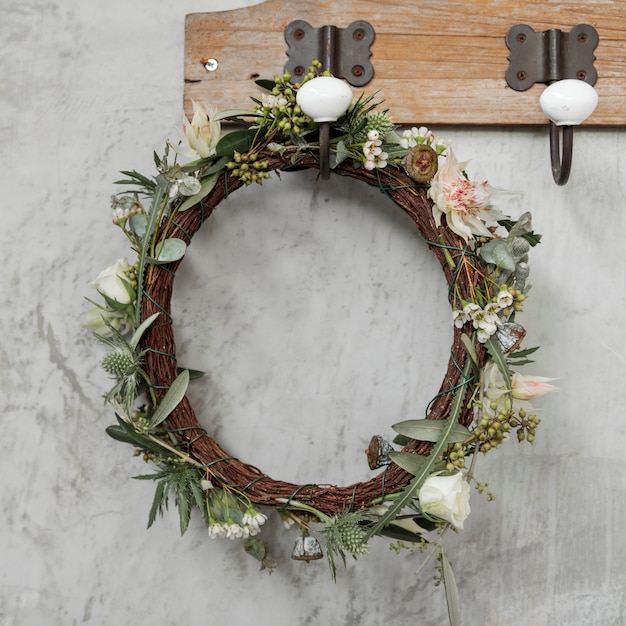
(435, 61)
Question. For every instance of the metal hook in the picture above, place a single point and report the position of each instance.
(344, 52)
(561, 158)
(564, 61)
(324, 132)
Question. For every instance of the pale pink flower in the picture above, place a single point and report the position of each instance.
(528, 387)
(466, 204)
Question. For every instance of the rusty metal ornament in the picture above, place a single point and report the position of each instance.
(421, 163)
(378, 452)
(510, 336)
(307, 548)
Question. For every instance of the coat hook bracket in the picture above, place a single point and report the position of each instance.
(551, 55)
(345, 52)
(563, 60)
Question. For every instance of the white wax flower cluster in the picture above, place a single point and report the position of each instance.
(485, 320)
(250, 526)
(418, 136)
(374, 155)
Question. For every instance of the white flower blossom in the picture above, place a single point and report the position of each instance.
(446, 497)
(200, 136)
(113, 283)
(504, 299)
(466, 205)
(415, 136)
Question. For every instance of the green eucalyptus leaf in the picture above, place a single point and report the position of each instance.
(134, 341)
(265, 83)
(452, 592)
(138, 224)
(193, 374)
(523, 353)
(342, 152)
(207, 186)
(430, 430)
(238, 140)
(522, 228)
(401, 440)
(120, 434)
(409, 461)
(468, 344)
(168, 251)
(125, 433)
(171, 399)
(234, 113)
(394, 531)
(499, 359)
(497, 253)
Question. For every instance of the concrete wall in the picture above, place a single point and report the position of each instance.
(320, 320)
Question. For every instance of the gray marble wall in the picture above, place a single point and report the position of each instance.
(320, 321)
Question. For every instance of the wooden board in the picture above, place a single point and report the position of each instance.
(435, 61)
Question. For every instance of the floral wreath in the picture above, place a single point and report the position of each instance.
(422, 490)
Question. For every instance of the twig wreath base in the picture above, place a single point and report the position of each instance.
(482, 398)
(161, 363)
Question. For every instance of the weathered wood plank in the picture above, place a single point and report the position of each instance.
(435, 61)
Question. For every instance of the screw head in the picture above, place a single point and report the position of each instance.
(210, 65)
(358, 71)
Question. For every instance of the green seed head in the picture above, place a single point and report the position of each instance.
(119, 363)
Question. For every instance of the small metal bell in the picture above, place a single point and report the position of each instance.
(307, 549)
(378, 452)
(510, 336)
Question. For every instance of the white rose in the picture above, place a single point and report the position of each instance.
(112, 282)
(446, 497)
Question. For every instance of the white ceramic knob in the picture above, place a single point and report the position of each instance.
(568, 102)
(325, 98)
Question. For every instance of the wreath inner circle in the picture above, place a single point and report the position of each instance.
(161, 362)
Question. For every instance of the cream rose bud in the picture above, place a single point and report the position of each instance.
(446, 497)
(95, 318)
(112, 282)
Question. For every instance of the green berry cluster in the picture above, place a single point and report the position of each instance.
(525, 425)
(482, 488)
(456, 457)
(247, 167)
(492, 430)
(281, 111)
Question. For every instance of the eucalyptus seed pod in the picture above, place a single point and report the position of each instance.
(519, 248)
(421, 163)
(520, 275)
